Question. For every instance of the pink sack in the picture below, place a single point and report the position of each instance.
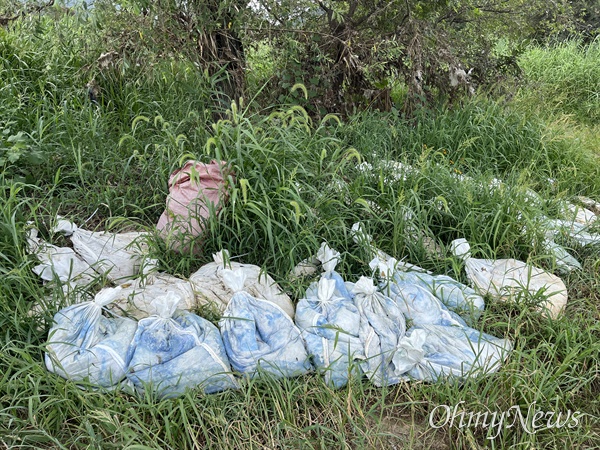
(192, 190)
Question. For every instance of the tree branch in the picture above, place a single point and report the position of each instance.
(327, 10)
(31, 10)
(270, 11)
(298, 31)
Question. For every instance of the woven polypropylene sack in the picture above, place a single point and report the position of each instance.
(195, 191)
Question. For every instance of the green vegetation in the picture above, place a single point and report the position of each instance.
(565, 79)
(301, 179)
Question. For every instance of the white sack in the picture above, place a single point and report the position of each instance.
(120, 256)
(60, 263)
(426, 298)
(504, 278)
(210, 288)
(136, 298)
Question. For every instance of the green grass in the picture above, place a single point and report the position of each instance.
(563, 79)
(297, 183)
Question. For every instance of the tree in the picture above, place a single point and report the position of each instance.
(205, 32)
(348, 51)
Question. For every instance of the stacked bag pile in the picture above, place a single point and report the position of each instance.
(163, 354)
(406, 326)
(404, 323)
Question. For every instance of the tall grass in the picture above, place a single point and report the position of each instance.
(563, 79)
(483, 137)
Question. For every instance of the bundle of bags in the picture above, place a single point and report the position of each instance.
(123, 259)
(361, 328)
(173, 349)
(165, 353)
(439, 343)
(403, 323)
(392, 331)
(409, 325)
(205, 288)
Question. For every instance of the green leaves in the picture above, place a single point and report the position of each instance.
(15, 148)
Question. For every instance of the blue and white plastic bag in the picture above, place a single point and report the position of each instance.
(84, 345)
(435, 352)
(330, 326)
(382, 326)
(175, 350)
(329, 259)
(456, 296)
(258, 335)
(417, 303)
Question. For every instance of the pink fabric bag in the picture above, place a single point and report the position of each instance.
(192, 190)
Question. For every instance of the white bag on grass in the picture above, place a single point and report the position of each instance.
(457, 297)
(136, 298)
(120, 256)
(329, 326)
(84, 345)
(329, 259)
(578, 232)
(432, 352)
(60, 263)
(578, 214)
(591, 205)
(565, 262)
(211, 290)
(505, 278)
(382, 326)
(258, 335)
(175, 350)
